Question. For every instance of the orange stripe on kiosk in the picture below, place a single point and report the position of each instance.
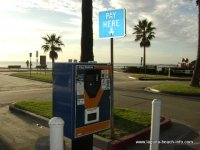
(93, 127)
(92, 102)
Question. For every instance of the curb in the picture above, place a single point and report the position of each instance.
(149, 79)
(98, 141)
(148, 89)
(125, 141)
(132, 78)
(41, 120)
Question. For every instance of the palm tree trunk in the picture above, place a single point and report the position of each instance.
(52, 69)
(196, 73)
(86, 142)
(144, 61)
(53, 60)
(87, 32)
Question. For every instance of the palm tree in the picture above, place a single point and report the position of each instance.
(87, 32)
(196, 74)
(53, 45)
(144, 34)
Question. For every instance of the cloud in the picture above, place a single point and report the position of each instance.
(174, 20)
(66, 6)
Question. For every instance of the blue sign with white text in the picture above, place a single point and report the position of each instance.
(112, 23)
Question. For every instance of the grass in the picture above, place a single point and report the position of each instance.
(158, 77)
(178, 88)
(39, 107)
(126, 121)
(48, 77)
(35, 76)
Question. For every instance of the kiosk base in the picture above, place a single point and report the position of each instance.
(85, 142)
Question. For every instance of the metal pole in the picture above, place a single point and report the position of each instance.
(155, 124)
(112, 88)
(36, 58)
(169, 72)
(30, 66)
(30, 62)
(56, 125)
(37, 61)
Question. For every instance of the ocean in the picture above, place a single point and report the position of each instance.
(5, 64)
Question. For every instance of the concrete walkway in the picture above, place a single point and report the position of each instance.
(21, 132)
(18, 134)
(177, 133)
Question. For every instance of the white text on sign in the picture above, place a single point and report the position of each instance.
(111, 23)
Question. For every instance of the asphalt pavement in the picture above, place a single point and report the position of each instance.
(16, 133)
(182, 110)
(130, 93)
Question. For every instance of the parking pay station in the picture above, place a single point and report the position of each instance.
(81, 97)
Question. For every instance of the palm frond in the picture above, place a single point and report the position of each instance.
(145, 42)
(53, 55)
(56, 48)
(138, 37)
(144, 32)
(45, 39)
(45, 47)
(150, 36)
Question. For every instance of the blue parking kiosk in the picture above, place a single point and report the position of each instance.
(81, 97)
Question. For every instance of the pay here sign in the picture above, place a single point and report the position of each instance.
(112, 23)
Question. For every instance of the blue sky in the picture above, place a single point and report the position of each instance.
(24, 22)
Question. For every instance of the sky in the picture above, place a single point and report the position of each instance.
(24, 22)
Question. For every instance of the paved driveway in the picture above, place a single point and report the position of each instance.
(129, 93)
(13, 89)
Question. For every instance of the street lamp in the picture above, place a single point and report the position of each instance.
(30, 54)
(36, 58)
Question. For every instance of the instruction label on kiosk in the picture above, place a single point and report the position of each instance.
(80, 92)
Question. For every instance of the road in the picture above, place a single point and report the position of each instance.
(129, 93)
(14, 89)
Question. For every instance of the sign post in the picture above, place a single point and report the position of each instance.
(36, 58)
(30, 54)
(112, 24)
(112, 87)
